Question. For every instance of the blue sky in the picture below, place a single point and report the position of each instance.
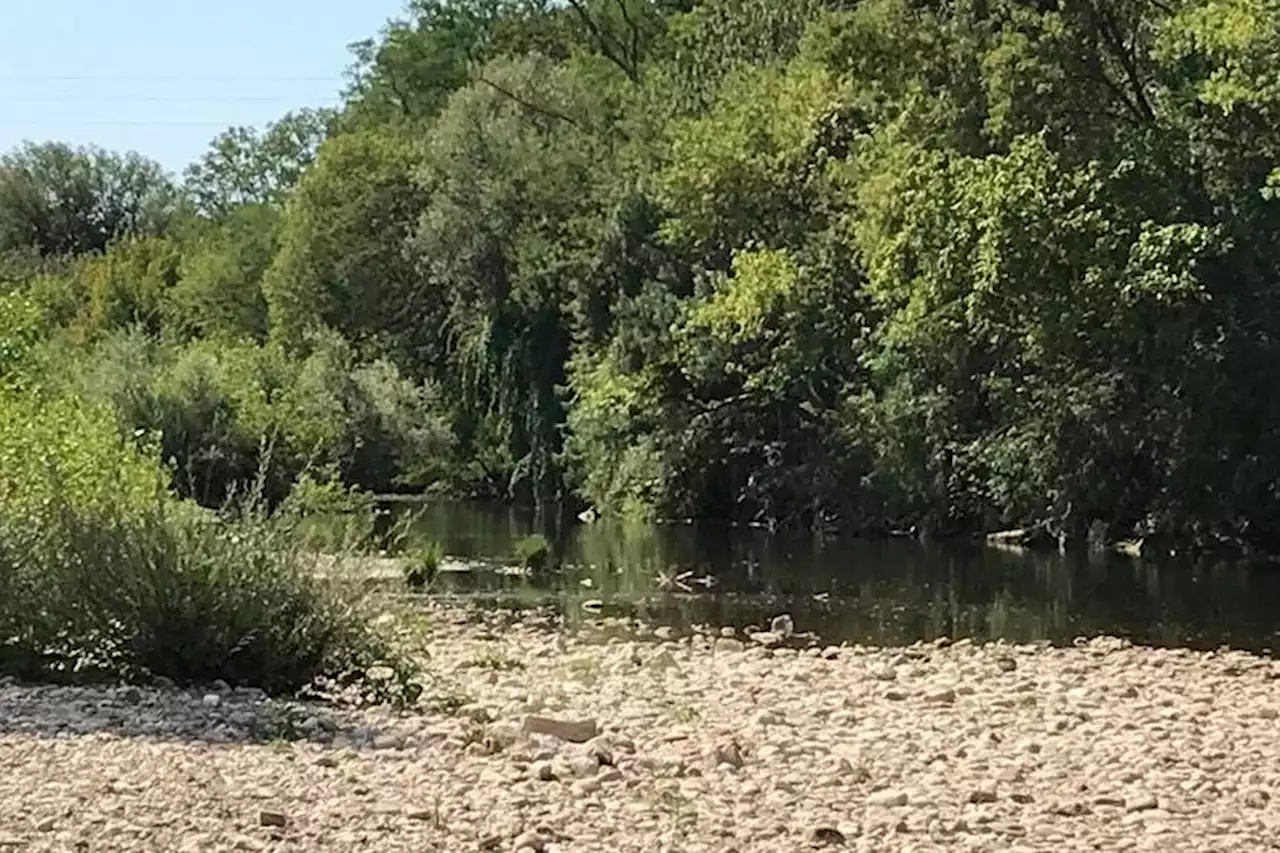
(163, 77)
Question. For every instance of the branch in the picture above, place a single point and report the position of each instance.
(1127, 56)
(635, 34)
(546, 111)
(609, 46)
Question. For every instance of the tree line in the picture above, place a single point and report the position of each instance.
(865, 265)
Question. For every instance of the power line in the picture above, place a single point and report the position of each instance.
(190, 78)
(144, 99)
(4, 122)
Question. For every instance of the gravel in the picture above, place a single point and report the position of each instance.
(711, 744)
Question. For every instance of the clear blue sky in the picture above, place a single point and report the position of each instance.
(163, 77)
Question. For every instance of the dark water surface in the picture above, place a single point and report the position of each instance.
(881, 592)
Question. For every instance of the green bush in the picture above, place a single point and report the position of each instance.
(422, 565)
(102, 571)
(534, 553)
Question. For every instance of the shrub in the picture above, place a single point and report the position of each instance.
(102, 571)
(422, 565)
(534, 553)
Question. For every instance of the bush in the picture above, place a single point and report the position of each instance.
(422, 565)
(101, 571)
(534, 553)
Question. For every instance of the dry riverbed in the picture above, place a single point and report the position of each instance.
(710, 744)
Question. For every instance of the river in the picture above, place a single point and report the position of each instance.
(854, 590)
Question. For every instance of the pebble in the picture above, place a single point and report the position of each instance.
(1091, 747)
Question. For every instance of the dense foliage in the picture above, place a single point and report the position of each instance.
(867, 264)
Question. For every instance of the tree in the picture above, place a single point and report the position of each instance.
(63, 200)
(244, 166)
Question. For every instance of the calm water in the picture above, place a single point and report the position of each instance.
(856, 590)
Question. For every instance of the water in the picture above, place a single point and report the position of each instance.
(860, 591)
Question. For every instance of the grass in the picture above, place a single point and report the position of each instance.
(422, 565)
(137, 589)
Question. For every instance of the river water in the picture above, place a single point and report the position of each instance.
(855, 590)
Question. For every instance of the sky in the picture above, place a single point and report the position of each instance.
(163, 77)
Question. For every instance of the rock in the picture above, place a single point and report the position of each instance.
(729, 644)
(47, 824)
(531, 840)
(728, 752)
(662, 661)
(664, 632)
(983, 794)
(271, 818)
(884, 673)
(542, 771)
(491, 842)
(769, 718)
(574, 731)
(211, 700)
(609, 775)
(1140, 803)
(888, 798)
(1006, 663)
(601, 750)
(475, 712)
(894, 695)
(586, 787)
(1256, 799)
(131, 695)
(245, 842)
(827, 835)
(946, 696)
(1069, 808)
(582, 766)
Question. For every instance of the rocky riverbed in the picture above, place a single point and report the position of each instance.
(543, 742)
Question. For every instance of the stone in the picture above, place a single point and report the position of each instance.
(1140, 803)
(531, 840)
(272, 818)
(983, 794)
(542, 771)
(664, 632)
(586, 787)
(888, 798)
(573, 731)
(211, 700)
(47, 824)
(827, 835)
(132, 695)
(1006, 663)
(662, 661)
(728, 752)
(946, 696)
(884, 673)
(1256, 799)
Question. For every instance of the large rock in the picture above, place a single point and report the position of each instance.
(574, 731)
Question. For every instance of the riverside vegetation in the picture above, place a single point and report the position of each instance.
(865, 265)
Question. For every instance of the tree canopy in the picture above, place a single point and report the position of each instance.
(868, 265)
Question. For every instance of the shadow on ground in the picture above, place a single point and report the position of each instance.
(169, 714)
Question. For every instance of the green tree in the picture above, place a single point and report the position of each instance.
(63, 200)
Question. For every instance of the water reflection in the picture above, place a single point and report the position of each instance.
(856, 590)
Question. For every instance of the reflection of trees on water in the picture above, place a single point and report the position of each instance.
(884, 591)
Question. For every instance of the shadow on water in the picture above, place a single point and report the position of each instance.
(843, 589)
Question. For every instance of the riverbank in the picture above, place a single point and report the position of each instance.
(700, 745)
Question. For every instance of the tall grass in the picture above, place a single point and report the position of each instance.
(103, 572)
